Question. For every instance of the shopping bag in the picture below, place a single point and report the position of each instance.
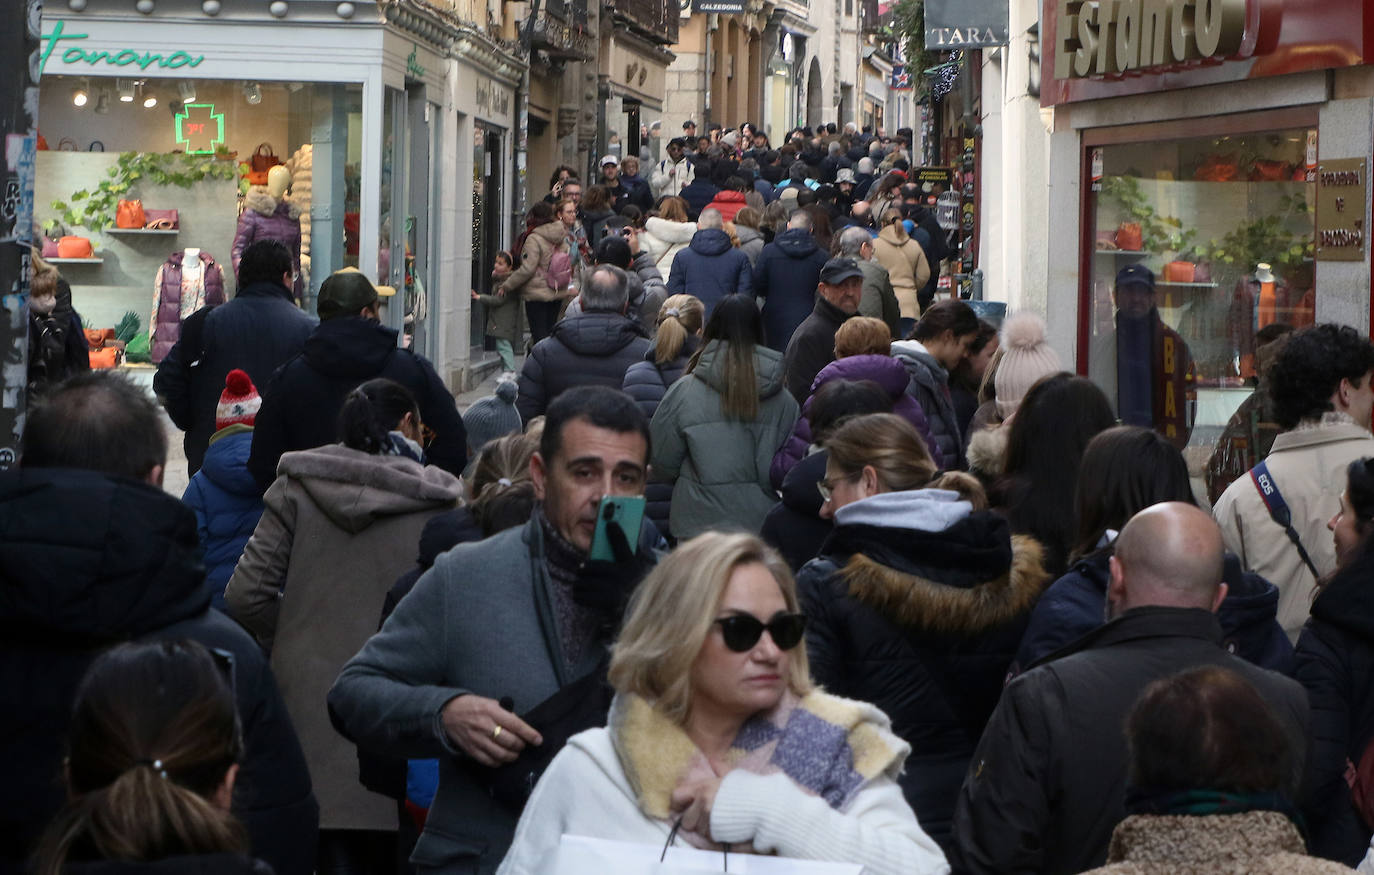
(583, 855)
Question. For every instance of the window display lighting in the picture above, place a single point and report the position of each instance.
(252, 93)
(81, 93)
(125, 87)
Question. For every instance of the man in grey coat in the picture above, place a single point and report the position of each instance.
(499, 626)
(879, 299)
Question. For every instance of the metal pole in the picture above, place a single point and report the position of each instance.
(18, 119)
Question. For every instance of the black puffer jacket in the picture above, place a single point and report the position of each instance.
(301, 405)
(88, 561)
(916, 604)
(1335, 663)
(646, 382)
(794, 526)
(258, 331)
(930, 387)
(593, 349)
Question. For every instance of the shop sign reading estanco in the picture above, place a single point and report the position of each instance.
(117, 58)
(1110, 37)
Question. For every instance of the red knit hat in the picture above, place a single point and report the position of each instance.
(239, 402)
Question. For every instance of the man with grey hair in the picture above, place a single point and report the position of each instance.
(863, 178)
(594, 348)
(1047, 784)
(879, 299)
(711, 267)
(786, 276)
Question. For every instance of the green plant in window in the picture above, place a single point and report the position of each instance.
(1157, 233)
(95, 208)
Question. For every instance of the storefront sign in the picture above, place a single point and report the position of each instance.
(1341, 190)
(965, 24)
(492, 99)
(117, 58)
(901, 78)
(724, 7)
(199, 128)
(414, 69)
(933, 182)
(1107, 37)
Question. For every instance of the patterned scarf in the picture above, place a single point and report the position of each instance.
(830, 747)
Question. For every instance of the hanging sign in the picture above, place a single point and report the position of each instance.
(199, 128)
(724, 7)
(947, 210)
(901, 78)
(1341, 190)
(965, 24)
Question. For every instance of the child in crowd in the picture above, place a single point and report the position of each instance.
(503, 313)
(223, 493)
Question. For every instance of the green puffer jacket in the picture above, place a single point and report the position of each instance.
(720, 464)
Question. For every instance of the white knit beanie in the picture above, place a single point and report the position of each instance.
(1026, 357)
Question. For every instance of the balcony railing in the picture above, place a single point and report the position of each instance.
(656, 19)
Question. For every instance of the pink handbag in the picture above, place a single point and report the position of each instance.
(50, 247)
(160, 220)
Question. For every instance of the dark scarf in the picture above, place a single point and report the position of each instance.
(1200, 803)
(577, 626)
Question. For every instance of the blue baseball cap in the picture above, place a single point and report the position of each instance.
(1135, 274)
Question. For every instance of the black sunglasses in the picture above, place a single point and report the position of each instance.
(742, 631)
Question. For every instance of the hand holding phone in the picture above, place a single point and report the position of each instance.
(614, 567)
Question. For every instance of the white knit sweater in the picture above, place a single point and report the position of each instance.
(585, 792)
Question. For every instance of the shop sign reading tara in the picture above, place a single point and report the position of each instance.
(965, 24)
(199, 128)
(1111, 37)
(1341, 190)
(119, 58)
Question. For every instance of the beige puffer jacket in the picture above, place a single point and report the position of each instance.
(528, 280)
(906, 265)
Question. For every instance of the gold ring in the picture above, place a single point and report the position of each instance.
(496, 733)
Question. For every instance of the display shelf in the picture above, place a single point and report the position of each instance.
(1122, 252)
(1189, 285)
(158, 232)
(75, 260)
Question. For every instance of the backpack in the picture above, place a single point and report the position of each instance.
(559, 272)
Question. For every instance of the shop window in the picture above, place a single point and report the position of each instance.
(1201, 250)
(216, 164)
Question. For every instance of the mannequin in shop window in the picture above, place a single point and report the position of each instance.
(269, 214)
(186, 282)
(1144, 366)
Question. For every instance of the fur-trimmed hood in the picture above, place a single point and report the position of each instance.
(987, 451)
(259, 201)
(926, 561)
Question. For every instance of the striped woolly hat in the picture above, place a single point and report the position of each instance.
(239, 402)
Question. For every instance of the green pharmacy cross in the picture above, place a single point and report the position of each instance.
(199, 128)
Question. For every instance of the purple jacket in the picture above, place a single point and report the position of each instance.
(168, 312)
(266, 218)
(888, 373)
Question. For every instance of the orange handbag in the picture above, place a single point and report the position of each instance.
(1129, 237)
(1179, 272)
(105, 357)
(129, 214)
(96, 337)
(75, 247)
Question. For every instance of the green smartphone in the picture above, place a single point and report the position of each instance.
(628, 513)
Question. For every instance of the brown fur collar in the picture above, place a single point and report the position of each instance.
(926, 604)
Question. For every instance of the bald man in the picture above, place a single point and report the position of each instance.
(1046, 786)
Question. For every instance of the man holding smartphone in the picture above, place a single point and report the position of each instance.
(499, 626)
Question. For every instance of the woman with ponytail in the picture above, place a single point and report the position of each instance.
(154, 751)
(340, 525)
(717, 428)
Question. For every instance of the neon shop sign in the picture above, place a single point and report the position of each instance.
(118, 58)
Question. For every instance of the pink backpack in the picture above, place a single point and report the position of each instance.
(559, 272)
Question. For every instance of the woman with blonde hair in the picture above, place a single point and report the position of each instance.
(917, 602)
(906, 265)
(153, 753)
(715, 731)
(667, 234)
(717, 428)
(677, 339)
(862, 352)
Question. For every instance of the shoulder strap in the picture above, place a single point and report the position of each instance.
(1278, 511)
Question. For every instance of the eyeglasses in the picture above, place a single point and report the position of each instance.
(827, 486)
(742, 631)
